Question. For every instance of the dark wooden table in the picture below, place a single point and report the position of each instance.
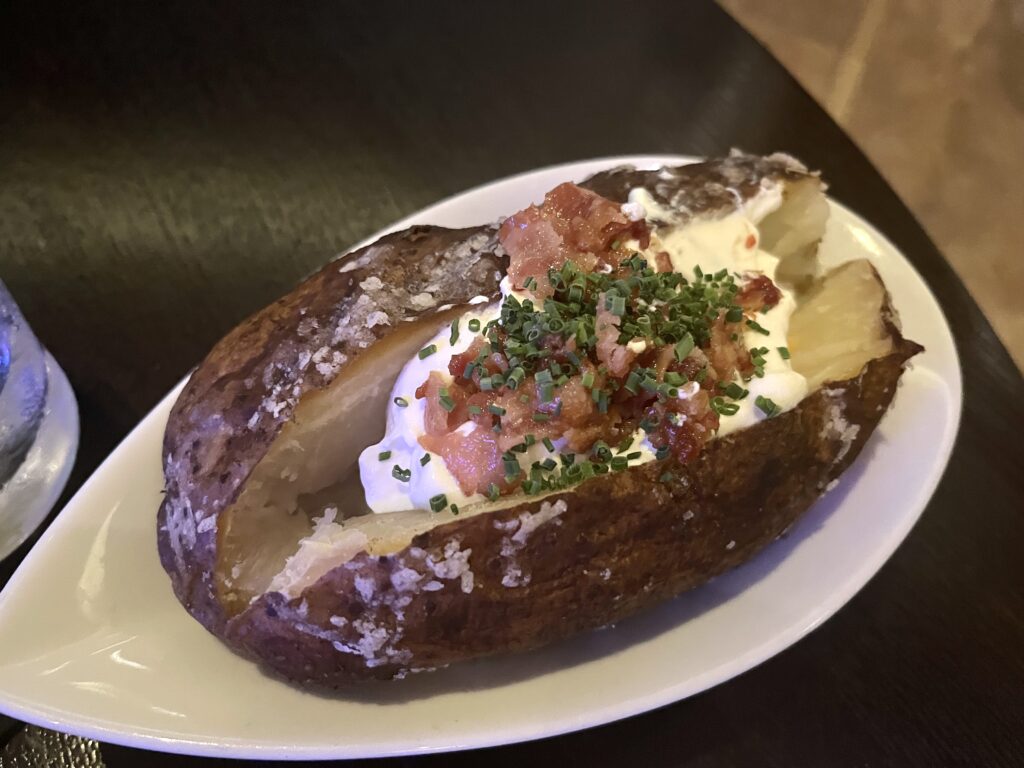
(167, 168)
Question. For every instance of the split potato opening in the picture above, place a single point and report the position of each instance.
(303, 511)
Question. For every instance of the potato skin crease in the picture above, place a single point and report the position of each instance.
(501, 581)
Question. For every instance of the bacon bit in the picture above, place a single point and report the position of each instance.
(684, 425)
(493, 363)
(457, 365)
(662, 262)
(751, 241)
(572, 403)
(573, 224)
(727, 356)
(617, 357)
(758, 293)
(474, 459)
(664, 360)
(436, 419)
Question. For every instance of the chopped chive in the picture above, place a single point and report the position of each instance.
(424, 459)
(674, 379)
(455, 509)
(497, 410)
(475, 410)
(754, 326)
(734, 315)
(493, 492)
(529, 439)
(401, 402)
(588, 379)
(684, 347)
(733, 390)
(615, 304)
(632, 382)
(767, 406)
(783, 352)
(447, 403)
(530, 487)
(401, 474)
(723, 408)
(541, 417)
(619, 463)
(439, 502)
(662, 453)
(633, 456)
(427, 351)
(455, 331)
(548, 444)
(474, 325)
(383, 455)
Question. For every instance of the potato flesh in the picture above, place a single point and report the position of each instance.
(792, 232)
(838, 328)
(315, 457)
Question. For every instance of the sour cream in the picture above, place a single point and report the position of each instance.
(731, 242)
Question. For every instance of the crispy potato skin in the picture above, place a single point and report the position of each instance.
(506, 580)
(701, 188)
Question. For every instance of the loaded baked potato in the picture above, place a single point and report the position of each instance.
(456, 443)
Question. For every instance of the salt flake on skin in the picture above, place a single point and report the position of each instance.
(377, 318)
(422, 300)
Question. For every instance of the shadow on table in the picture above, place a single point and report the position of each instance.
(586, 648)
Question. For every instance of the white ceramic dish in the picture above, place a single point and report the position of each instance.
(93, 641)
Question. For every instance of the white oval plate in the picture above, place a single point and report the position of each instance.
(93, 641)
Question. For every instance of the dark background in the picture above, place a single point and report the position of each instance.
(166, 169)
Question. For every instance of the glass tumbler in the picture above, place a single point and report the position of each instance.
(38, 428)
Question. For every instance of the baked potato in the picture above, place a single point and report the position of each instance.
(270, 541)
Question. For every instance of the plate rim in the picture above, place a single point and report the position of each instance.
(855, 580)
